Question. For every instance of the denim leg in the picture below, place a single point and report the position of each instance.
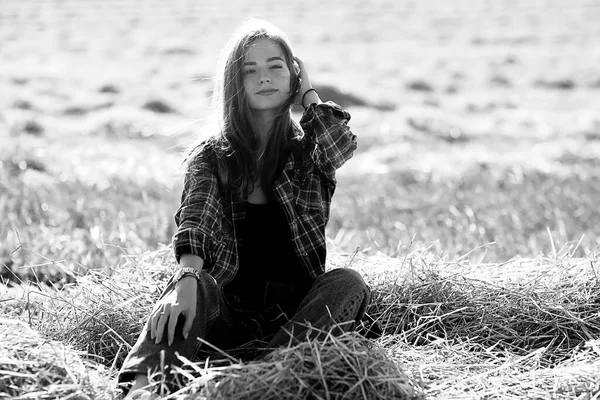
(339, 296)
(212, 323)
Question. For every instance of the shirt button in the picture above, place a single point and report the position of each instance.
(305, 254)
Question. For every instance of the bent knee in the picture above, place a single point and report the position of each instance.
(350, 277)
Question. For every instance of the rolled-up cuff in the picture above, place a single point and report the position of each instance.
(328, 109)
(192, 241)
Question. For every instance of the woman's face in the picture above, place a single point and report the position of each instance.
(266, 75)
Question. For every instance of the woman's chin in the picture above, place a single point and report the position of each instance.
(264, 106)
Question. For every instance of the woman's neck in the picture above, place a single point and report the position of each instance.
(263, 122)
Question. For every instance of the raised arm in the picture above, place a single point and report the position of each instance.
(325, 125)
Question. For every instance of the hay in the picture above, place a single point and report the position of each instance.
(554, 308)
(103, 314)
(462, 370)
(32, 367)
(516, 330)
(334, 367)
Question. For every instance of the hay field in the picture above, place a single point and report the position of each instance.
(471, 204)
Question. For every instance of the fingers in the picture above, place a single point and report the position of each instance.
(166, 316)
(160, 316)
(303, 75)
(300, 65)
(189, 319)
(156, 314)
(162, 319)
(173, 318)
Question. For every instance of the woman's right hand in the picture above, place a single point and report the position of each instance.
(305, 85)
(179, 301)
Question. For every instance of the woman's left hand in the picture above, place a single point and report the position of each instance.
(305, 81)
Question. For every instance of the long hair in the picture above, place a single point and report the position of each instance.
(237, 142)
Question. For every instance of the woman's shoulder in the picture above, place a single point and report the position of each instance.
(205, 152)
(208, 148)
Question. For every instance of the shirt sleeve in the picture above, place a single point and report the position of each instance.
(197, 216)
(325, 125)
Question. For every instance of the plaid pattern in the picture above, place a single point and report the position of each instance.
(208, 220)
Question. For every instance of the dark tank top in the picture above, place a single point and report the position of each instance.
(270, 273)
(266, 251)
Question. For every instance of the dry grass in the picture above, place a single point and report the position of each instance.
(345, 367)
(61, 215)
(101, 316)
(102, 313)
(553, 311)
(501, 211)
(32, 367)
(524, 329)
(462, 370)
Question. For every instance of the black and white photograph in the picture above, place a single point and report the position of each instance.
(337, 199)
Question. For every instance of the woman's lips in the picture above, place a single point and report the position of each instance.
(266, 92)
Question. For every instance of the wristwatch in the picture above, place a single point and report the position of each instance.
(186, 271)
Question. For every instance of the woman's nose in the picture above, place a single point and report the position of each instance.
(264, 79)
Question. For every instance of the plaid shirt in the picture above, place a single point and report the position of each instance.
(208, 220)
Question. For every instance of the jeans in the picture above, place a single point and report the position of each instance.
(337, 298)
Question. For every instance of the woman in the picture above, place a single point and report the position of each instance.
(251, 225)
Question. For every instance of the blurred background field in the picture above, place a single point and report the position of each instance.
(471, 204)
(477, 122)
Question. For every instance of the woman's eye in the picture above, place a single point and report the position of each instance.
(276, 67)
(248, 71)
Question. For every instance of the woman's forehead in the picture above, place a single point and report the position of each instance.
(263, 49)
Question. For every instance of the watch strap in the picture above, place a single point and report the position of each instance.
(186, 271)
